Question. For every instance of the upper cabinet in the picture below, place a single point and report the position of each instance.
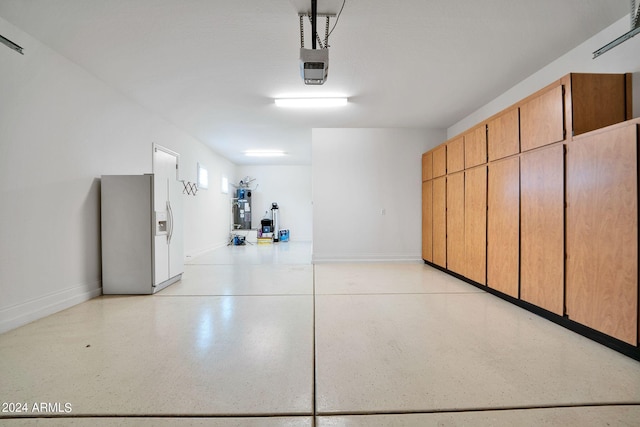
(455, 155)
(427, 166)
(575, 104)
(598, 100)
(475, 147)
(440, 160)
(503, 135)
(542, 119)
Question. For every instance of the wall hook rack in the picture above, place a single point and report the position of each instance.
(190, 188)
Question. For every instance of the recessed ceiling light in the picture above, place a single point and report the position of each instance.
(310, 102)
(265, 153)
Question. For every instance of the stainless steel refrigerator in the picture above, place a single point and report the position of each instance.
(142, 249)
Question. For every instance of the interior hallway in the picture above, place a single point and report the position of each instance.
(257, 335)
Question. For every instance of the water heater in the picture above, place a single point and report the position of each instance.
(242, 209)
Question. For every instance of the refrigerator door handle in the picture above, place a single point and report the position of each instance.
(170, 233)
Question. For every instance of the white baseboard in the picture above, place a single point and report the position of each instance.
(301, 239)
(37, 308)
(196, 253)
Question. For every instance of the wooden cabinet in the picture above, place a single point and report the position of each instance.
(475, 224)
(427, 206)
(576, 104)
(503, 135)
(427, 221)
(427, 166)
(475, 147)
(503, 225)
(540, 203)
(455, 155)
(439, 214)
(598, 100)
(440, 160)
(542, 119)
(602, 231)
(542, 228)
(455, 222)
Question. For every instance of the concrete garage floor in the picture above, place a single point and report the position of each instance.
(257, 335)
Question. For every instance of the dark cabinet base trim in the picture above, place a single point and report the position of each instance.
(604, 339)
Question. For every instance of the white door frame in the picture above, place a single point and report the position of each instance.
(157, 147)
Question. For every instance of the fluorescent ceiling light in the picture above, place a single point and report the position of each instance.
(310, 102)
(265, 153)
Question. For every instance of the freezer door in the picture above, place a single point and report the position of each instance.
(126, 234)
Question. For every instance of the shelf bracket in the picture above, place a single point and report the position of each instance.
(5, 41)
(635, 29)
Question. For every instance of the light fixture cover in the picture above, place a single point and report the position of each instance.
(265, 153)
(310, 102)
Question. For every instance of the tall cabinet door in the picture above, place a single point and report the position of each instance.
(455, 222)
(503, 225)
(602, 232)
(475, 224)
(427, 221)
(440, 221)
(542, 228)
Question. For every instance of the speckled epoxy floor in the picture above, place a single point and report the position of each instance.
(258, 336)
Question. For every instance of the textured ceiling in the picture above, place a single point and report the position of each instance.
(213, 67)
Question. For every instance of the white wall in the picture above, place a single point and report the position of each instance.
(208, 214)
(60, 130)
(358, 173)
(624, 58)
(290, 187)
